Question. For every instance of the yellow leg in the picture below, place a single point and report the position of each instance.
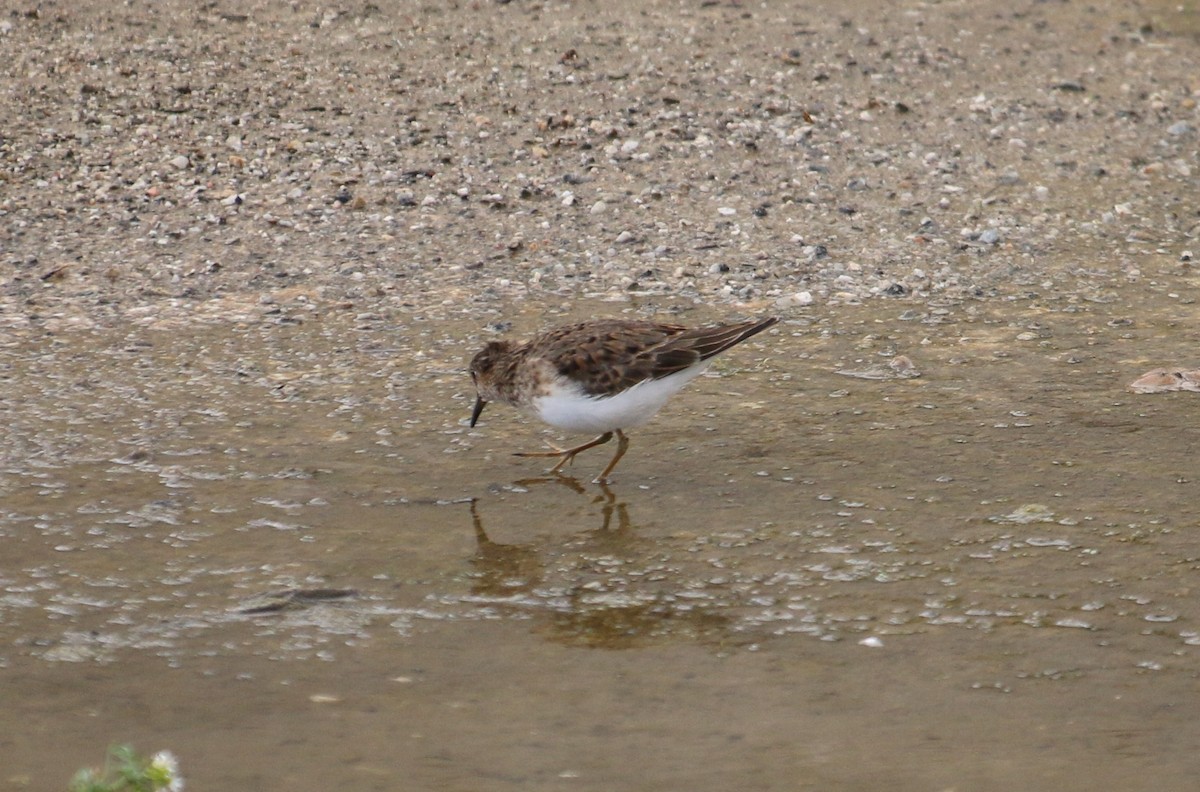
(568, 454)
(622, 447)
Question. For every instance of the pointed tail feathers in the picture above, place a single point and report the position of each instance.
(709, 341)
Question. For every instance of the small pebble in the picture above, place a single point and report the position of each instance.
(795, 300)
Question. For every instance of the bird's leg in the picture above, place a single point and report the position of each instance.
(568, 454)
(622, 447)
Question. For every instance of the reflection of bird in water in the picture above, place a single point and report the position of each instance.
(607, 497)
(507, 569)
(502, 569)
(609, 626)
(592, 588)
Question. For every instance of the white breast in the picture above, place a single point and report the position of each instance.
(567, 407)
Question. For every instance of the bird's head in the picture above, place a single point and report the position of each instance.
(484, 369)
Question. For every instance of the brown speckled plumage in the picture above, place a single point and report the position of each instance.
(606, 356)
(598, 360)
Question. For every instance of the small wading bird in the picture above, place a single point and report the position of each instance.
(602, 376)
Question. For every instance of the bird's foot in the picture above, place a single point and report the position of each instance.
(567, 455)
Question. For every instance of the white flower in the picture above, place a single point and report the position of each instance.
(165, 769)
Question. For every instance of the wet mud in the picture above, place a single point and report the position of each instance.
(301, 537)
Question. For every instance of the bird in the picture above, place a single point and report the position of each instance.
(602, 375)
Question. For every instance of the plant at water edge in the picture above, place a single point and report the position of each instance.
(125, 771)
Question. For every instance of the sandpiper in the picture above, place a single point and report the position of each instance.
(605, 375)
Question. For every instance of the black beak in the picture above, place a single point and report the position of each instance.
(479, 404)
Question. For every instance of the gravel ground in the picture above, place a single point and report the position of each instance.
(168, 161)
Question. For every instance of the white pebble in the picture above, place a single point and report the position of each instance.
(794, 300)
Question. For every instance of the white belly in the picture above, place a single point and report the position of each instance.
(569, 409)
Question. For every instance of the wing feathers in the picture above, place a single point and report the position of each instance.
(611, 356)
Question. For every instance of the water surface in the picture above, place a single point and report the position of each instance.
(278, 551)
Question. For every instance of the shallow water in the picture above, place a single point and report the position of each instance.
(278, 551)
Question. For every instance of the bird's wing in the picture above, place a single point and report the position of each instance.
(612, 357)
